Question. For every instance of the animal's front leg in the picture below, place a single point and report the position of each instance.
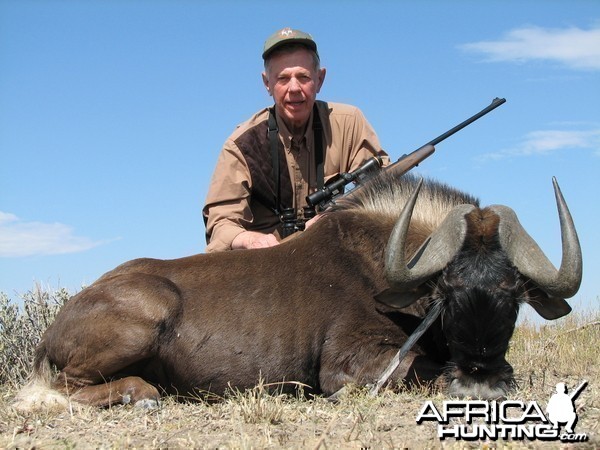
(366, 366)
(421, 372)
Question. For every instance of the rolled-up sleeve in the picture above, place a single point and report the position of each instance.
(227, 208)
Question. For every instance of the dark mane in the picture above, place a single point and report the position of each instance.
(386, 195)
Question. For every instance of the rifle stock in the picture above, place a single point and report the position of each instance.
(408, 162)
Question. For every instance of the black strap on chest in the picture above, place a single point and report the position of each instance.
(274, 146)
(319, 150)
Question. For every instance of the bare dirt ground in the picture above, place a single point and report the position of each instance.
(567, 351)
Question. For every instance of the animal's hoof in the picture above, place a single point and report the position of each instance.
(147, 403)
(335, 397)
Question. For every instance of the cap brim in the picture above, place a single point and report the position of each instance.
(303, 41)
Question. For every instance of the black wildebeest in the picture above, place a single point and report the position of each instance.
(326, 308)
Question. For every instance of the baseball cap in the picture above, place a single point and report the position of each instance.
(288, 36)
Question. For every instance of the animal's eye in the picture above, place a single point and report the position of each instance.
(510, 285)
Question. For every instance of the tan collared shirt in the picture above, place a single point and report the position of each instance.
(348, 141)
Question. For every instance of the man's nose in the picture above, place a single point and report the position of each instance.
(294, 84)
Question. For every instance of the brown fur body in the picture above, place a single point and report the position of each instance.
(296, 312)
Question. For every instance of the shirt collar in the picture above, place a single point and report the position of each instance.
(287, 137)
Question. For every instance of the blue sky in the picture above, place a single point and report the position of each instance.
(112, 114)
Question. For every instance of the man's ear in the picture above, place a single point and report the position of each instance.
(266, 83)
(321, 78)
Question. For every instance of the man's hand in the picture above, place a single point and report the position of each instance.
(253, 239)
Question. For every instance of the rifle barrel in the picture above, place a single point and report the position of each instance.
(578, 390)
(495, 103)
(323, 196)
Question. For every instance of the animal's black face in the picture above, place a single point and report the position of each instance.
(481, 303)
(485, 257)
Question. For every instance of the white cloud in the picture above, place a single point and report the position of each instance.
(574, 47)
(547, 141)
(7, 218)
(19, 238)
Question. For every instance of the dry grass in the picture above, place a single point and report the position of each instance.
(566, 350)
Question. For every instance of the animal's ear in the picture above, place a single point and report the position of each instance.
(550, 308)
(397, 299)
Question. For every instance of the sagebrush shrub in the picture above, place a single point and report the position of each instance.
(22, 324)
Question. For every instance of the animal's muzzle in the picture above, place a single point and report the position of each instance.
(474, 383)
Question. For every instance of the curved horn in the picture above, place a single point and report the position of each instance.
(529, 259)
(433, 255)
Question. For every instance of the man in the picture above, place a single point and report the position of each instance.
(261, 173)
(561, 408)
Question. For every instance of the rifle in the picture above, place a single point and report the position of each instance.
(323, 198)
(573, 395)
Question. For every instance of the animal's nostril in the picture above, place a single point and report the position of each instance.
(480, 368)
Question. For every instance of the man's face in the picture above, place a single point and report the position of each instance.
(294, 83)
